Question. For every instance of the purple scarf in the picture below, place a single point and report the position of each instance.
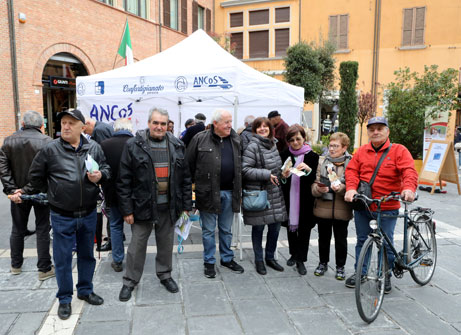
(294, 188)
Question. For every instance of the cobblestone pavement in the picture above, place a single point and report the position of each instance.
(278, 303)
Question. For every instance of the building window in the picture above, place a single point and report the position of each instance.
(236, 40)
(184, 16)
(236, 19)
(282, 41)
(137, 7)
(259, 17)
(109, 2)
(201, 17)
(282, 15)
(259, 44)
(170, 13)
(413, 26)
(339, 27)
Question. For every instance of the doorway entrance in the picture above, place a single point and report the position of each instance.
(58, 79)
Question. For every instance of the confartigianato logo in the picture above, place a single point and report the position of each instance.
(211, 81)
(143, 89)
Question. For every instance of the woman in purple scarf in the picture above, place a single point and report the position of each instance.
(298, 196)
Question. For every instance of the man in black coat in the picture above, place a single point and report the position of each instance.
(16, 156)
(195, 129)
(113, 148)
(154, 187)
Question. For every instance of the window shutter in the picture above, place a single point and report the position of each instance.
(166, 13)
(407, 26)
(282, 14)
(184, 16)
(208, 19)
(236, 40)
(419, 26)
(236, 20)
(259, 44)
(194, 16)
(282, 42)
(259, 17)
(343, 30)
(333, 34)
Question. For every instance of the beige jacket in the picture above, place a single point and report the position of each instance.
(331, 209)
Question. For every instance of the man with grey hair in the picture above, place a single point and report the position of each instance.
(154, 188)
(112, 148)
(214, 157)
(16, 156)
(247, 133)
(195, 129)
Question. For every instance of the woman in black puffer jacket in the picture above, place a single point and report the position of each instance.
(261, 166)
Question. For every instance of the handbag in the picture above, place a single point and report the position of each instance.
(365, 188)
(256, 200)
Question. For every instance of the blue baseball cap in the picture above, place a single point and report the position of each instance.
(378, 120)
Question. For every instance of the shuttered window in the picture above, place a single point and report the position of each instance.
(339, 30)
(137, 7)
(282, 42)
(236, 20)
(166, 13)
(259, 17)
(194, 16)
(413, 26)
(236, 40)
(184, 16)
(259, 44)
(200, 17)
(208, 19)
(282, 14)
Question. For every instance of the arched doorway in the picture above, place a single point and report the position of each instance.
(58, 79)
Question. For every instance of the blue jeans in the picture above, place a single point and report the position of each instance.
(271, 240)
(116, 234)
(362, 218)
(66, 230)
(224, 219)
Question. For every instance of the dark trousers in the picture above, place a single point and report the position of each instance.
(339, 228)
(67, 231)
(298, 241)
(271, 240)
(20, 215)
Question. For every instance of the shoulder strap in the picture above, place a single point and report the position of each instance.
(379, 164)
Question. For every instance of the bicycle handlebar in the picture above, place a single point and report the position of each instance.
(384, 198)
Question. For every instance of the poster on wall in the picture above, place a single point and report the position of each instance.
(436, 129)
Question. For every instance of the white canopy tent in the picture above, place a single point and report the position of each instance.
(195, 75)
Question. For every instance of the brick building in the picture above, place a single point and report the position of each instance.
(55, 41)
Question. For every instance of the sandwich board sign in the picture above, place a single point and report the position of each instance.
(440, 164)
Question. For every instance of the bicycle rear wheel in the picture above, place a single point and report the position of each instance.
(369, 279)
(422, 248)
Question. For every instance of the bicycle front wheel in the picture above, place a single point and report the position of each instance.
(369, 279)
(422, 250)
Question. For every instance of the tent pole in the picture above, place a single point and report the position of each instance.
(236, 108)
(180, 118)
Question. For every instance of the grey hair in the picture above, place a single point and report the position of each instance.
(32, 119)
(218, 114)
(248, 120)
(161, 111)
(123, 124)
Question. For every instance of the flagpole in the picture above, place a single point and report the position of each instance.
(123, 33)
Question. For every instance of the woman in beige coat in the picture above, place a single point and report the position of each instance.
(330, 209)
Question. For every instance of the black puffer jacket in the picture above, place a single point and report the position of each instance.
(16, 156)
(204, 158)
(257, 173)
(136, 184)
(62, 170)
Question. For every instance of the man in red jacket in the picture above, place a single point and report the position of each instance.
(397, 173)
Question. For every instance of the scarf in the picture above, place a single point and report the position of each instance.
(295, 187)
(342, 160)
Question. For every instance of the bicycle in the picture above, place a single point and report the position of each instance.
(418, 256)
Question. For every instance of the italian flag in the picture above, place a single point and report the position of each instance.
(125, 49)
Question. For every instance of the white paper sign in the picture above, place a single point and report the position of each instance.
(436, 155)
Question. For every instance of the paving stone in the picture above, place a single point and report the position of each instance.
(446, 280)
(5, 264)
(248, 285)
(105, 312)
(220, 324)
(6, 322)
(206, 299)
(293, 293)
(151, 292)
(415, 319)
(98, 328)
(324, 285)
(23, 281)
(263, 317)
(23, 301)
(164, 319)
(27, 323)
(322, 319)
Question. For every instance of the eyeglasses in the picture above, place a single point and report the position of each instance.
(295, 139)
(334, 146)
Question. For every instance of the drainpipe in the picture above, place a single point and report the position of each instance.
(159, 27)
(14, 65)
(375, 66)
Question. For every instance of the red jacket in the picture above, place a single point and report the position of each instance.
(397, 172)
